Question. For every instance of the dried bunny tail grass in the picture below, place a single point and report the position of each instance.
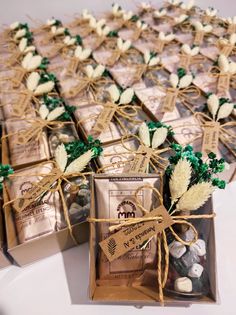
(144, 134)
(80, 163)
(195, 197)
(225, 110)
(61, 157)
(213, 104)
(159, 137)
(180, 179)
(55, 113)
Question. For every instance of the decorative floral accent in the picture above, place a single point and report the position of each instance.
(123, 45)
(211, 12)
(117, 10)
(57, 30)
(94, 72)
(220, 108)
(141, 25)
(187, 6)
(202, 171)
(166, 37)
(31, 62)
(121, 98)
(82, 53)
(201, 27)
(160, 13)
(231, 40)
(33, 84)
(153, 134)
(5, 171)
(180, 80)
(226, 65)
(181, 18)
(151, 58)
(23, 46)
(190, 51)
(74, 156)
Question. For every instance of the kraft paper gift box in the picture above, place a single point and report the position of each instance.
(185, 132)
(40, 230)
(20, 152)
(87, 114)
(136, 269)
(4, 261)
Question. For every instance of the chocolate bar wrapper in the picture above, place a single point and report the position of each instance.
(115, 199)
(43, 216)
(22, 154)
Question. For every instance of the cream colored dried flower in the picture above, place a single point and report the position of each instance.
(159, 137)
(80, 163)
(61, 157)
(180, 179)
(195, 197)
(213, 104)
(44, 88)
(225, 110)
(33, 81)
(144, 134)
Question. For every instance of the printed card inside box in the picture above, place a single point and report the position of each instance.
(105, 276)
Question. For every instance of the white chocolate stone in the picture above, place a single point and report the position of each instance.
(177, 249)
(199, 247)
(183, 284)
(188, 235)
(195, 271)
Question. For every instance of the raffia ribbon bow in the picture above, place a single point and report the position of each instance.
(166, 220)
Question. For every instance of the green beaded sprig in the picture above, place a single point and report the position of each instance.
(76, 148)
(53, 102)
(5, 171)
(153, 125)
(203, 171)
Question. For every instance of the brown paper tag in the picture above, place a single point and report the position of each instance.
(198, 38)
(232, 28)
(14, 58)
(184, 61)
(37, 190)
(207, 19)
(227, 50)
(159, 45)
(135, 235)
(105, 118)
(223, 83)
(170, 100)
(19, 108)
(210, 137)
(73, 66)
(18, 77)
(141, 160)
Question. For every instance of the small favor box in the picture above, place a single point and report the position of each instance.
(129, 256)
(26, 142)
(42, 227)
(4, 261)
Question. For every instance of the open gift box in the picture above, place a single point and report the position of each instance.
(124, 258)
(54, 219)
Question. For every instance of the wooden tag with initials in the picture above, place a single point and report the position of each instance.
(159, 45)
(135, 235)
(37, 190)
(19, 108)
(227, 50)
(223, 83)
(210, 137)
(184, 61)
(73, 66)
(170, 100)
(232, 28)
(141, 160)
(198, 38)
(105, 118)
(18, 77)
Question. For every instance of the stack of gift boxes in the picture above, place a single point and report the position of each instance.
(100, 113)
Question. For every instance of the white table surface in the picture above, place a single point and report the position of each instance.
(58, 285)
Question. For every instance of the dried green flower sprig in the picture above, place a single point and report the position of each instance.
(53, 102)
(44, 64)
(76, 148)
(203, 171)
(5, 171)
(153, 125)
(45, 77)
